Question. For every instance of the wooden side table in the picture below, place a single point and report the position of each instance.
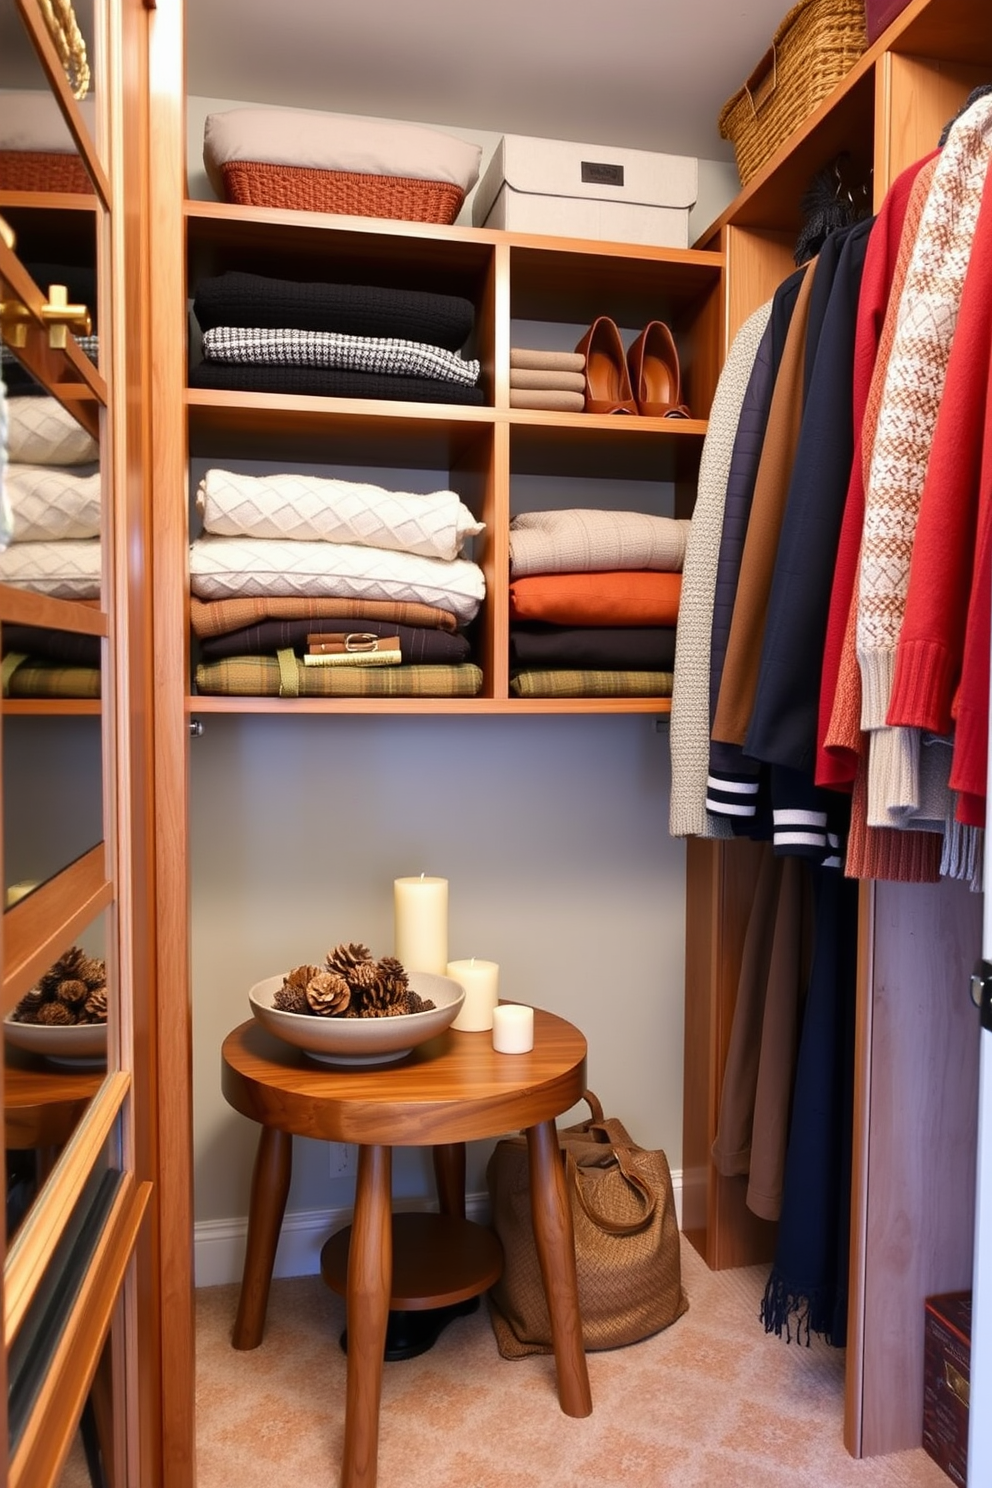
(452, 1090)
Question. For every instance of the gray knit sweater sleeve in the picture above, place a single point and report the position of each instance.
(690, 721)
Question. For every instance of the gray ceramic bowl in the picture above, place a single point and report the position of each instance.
(361, 1040)
(70, 1043)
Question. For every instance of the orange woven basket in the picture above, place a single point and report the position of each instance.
(43, 170)
(254, 183)
(815, 46)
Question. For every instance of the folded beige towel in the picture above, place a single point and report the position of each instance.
(561, 382)
(559, 402)
(547, 361)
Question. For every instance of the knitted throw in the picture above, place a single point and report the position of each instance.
(911, 396)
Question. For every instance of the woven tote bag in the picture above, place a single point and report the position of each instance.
(627, 1256)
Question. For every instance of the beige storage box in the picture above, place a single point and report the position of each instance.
(587, 191)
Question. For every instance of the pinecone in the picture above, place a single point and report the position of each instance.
(327, 994)
(297, 979)
(95, 1007)
(54, 1012)
(291, 999)
(74, 965)
(414, 1003)
(393, 973)
(26, 1010)
(345, 958)
(71, 991)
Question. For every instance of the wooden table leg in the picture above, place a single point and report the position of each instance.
(555, 1240)
(269, 1187)
(449, 1178)
(370, 1273)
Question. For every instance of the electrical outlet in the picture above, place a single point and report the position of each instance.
(342, 1158)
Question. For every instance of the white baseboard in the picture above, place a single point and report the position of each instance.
(219, 1244)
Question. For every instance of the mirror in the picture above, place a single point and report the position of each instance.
(30, 125)
(52, 792)
(55, 1058)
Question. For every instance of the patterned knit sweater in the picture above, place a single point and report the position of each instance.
(911, 396)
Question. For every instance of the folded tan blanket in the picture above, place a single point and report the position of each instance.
(269, 676)
(41, 432)
(585, 540)
(562, 382)
(229, 567)
(221, 616)
(559, 682)
(53, 502)
(547, 361)
(310, 508)
(557, 402)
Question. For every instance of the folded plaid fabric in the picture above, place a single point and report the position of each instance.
(419, 645)
(649, 648)
(584, 540)
(264, 676)
(616, 598)
(327, 382)
(30, 678)
(567, 683)
(41, 432)
(292, 348)
(310, 508)
(224, 567)
(215, 617)
(238, 299)
(53, 503)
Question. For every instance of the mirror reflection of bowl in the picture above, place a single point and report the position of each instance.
(361, 1040)
(60, 1042)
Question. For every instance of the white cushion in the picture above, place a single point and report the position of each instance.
(50, 503)
(339, 142)
(40, 431)
(34, 121)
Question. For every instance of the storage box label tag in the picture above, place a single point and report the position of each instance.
(601, 173)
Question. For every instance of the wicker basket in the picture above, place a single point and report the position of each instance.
(43, 170)
(815, 46)
(256, 184)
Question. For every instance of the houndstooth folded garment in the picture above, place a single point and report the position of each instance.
(41, 432)
(239, 299)
(258, 346)
(224, 567)
(589, 541)
(330, 382)
(53, 502)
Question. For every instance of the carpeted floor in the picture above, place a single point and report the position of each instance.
(711, 1403)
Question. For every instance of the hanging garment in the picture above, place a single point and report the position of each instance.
(690, 716)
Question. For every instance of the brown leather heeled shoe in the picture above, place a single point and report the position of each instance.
(653, 363)
(608, 387)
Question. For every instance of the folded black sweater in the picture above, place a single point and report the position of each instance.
(246, 300)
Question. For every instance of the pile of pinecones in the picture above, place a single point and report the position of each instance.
(74, 990)
(350, 984)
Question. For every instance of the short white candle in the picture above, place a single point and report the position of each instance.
(481, 982)
(420, 930)
(513, 1028)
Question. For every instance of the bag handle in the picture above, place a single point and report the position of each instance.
(647, 1197)
(763, 81)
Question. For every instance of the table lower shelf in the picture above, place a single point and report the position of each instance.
(437, 1259)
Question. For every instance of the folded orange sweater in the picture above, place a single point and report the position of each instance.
(627, 597)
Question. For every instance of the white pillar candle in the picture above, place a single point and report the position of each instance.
(420, 929)
(513, 1028)
(481, 982)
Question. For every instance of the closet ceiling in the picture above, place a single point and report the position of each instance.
(649, 74)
